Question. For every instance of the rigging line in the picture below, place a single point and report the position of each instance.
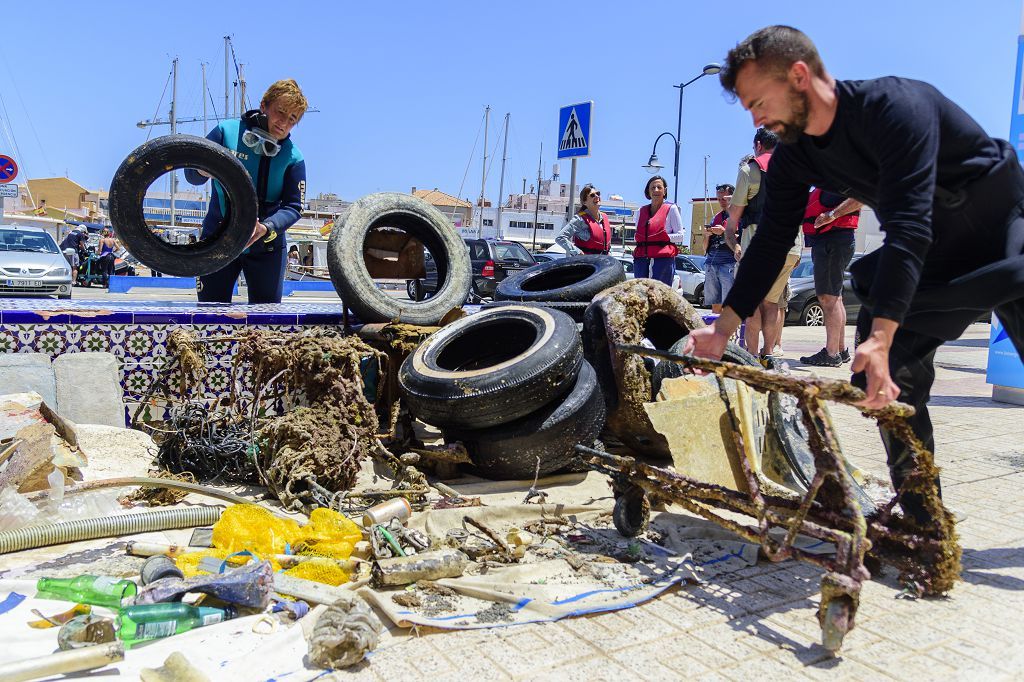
(519, 152)
(238, 74)
(469, 162)
(31, 124)
(159, 104)
(494, 153)
(212, 103)
(14, 140)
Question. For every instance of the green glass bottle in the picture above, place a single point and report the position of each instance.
(144, 622)
(88, 589)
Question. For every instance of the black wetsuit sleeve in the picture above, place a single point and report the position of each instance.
(192, 175)
(906, 130)
(292, 192)
(783, 214)
(830, 199)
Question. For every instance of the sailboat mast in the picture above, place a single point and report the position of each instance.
(501, 183)
(174, 130)
(483, 174)
(206, 197)
(227, 40)
(536, 208)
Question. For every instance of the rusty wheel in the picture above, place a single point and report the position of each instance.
(632, 512)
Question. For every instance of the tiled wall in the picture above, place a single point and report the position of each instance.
(136, 332)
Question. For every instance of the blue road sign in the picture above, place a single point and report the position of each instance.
(574, 130)
(8, 169)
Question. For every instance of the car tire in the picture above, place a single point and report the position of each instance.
(414, 290)
(492, 367)
(698, 296)
(511, 451)
(150, 161)
(574, 309)
(417, 218)
(813, 314)
(627, 314)
(575, 278)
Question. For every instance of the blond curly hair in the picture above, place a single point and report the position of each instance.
(287, 92)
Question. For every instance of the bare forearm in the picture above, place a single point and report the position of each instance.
(846, 207)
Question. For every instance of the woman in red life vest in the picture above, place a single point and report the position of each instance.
(658, 229)
(589, 230)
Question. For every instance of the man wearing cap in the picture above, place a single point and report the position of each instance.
(261, 140)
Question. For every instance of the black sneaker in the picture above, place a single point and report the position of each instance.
(844, 355)
(822, 359)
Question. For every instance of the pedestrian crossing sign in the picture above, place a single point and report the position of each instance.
(574, 130)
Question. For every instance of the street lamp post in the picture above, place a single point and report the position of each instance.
(652, 164)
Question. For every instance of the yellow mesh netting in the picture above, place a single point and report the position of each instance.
(321, 545)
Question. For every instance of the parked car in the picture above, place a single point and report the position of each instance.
(492, 261)
(804, 307)
(689, 279)
(547, 256)
(31, 264)
(627, 264)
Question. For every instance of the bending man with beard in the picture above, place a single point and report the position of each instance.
(949, 199)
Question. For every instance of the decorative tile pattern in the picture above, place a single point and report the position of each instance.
(136, 332)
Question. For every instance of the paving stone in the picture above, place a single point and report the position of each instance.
(88, 388)
(25, 372)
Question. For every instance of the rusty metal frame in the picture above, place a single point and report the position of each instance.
(928, 556)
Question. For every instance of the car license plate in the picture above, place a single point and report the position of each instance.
(28, 283)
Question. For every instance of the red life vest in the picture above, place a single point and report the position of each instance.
(651, 236)
(815, 208)
(600, 240)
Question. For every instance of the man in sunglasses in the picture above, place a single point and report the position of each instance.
(261, 140)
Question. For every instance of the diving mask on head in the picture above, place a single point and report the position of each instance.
(256, 137)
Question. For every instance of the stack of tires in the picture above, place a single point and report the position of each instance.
(511, 384)
(566, 284)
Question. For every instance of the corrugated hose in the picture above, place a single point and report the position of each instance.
(107, 526)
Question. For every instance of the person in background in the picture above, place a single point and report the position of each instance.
(41, 208)
(659, 229)
(261, 140)
(73, 247)
(719, 262)
(744, 215)
(105, 249)
(293, 255)
(829, 224)
(589, 230)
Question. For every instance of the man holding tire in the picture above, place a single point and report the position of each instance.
(261, 140)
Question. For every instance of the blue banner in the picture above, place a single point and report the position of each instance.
(1004, 365)
(1017, 111)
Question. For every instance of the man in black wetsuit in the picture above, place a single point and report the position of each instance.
(949, 199)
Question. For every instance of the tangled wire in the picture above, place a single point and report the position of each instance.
(213, 447)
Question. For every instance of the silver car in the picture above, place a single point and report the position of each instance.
(31, 264)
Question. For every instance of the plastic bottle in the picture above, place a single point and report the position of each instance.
(137, 624)
(88, 589)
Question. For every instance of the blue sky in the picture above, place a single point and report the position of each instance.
(401, 87)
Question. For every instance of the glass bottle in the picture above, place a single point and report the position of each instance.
(88, 589)
(144, 622)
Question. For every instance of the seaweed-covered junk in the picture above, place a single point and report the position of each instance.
(344, 633)
(630, 313)
(320, 443)
(926, 551)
